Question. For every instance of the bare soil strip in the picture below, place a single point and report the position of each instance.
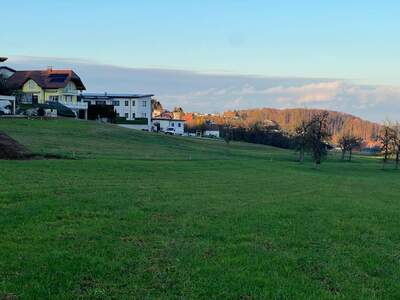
(11, 149)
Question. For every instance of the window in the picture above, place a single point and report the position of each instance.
(179, 124)
(173, 124)
(126, 115)
(53, 98)
(127, 103)
(68, 98)
(100, 102)
(133, 103)
(133, 115)
(144, 103)
(115, 103)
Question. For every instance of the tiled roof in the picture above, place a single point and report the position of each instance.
(48, 79)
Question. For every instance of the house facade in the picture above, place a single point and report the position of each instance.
(128, 107)
(41, 87)
(162, 124)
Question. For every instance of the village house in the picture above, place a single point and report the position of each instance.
(47, 86)
(128, 107)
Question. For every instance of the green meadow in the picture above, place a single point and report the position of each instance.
(134, 215)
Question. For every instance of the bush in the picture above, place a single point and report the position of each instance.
(41, 112)
(137, 121)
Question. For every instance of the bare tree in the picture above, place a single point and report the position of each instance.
(227, 133)
(301, 139)
(347, 143)
(386, 137)
(317, 137)
(343, 144)
(396, 143)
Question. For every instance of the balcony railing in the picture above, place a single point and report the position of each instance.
(74, 105)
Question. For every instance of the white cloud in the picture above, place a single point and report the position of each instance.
(211, 92)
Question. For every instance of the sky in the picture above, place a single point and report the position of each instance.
(227, 53)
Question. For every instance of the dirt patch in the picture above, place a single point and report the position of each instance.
(11, 149)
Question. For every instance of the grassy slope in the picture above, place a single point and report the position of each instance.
(143, 215)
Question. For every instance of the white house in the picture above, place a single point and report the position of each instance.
(127, 106)
(211, 133)
(163, 124)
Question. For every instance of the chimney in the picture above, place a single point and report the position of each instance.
(49, 69)
(3, 59)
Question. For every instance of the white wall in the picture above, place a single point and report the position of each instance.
(134, 108)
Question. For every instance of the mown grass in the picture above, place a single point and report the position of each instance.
(141, 215)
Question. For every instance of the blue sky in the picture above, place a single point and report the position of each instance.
(341, 39)
(351, 41)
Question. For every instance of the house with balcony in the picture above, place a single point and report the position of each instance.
(49, 86)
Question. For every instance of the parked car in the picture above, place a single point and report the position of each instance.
(5, 108)
(170, 130)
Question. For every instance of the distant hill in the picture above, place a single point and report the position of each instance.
(288, 119)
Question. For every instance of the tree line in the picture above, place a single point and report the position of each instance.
(312, 136)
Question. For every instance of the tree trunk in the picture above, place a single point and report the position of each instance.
(350, 154)
(397, 159)
(301, 155)
(343, 153)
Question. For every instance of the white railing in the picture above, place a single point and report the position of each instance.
(74, 105)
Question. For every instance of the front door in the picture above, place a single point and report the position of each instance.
(35, 99)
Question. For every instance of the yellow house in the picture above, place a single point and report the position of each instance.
(40, 87)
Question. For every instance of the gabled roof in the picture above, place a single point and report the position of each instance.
(48, 79)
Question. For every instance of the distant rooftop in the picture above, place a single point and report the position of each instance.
(3, 59)
(114, 95)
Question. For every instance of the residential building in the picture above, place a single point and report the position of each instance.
(127, 106)
(40, 87)
(162, 124)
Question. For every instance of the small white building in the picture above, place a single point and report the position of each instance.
(164, 125)
(211, 133)
(127, 106)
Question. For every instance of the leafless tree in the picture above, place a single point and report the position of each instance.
(396, 143)
(347, 143)
(386, 138)
(227, 133)
(317, 137)
(301, 139)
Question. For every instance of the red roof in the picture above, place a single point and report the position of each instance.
(48, 79)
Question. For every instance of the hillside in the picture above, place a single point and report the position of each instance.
(134, 215)
(338, 122)
(288, 119)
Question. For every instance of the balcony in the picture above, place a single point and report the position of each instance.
(74, 105)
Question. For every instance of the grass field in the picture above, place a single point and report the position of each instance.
(128, 214)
